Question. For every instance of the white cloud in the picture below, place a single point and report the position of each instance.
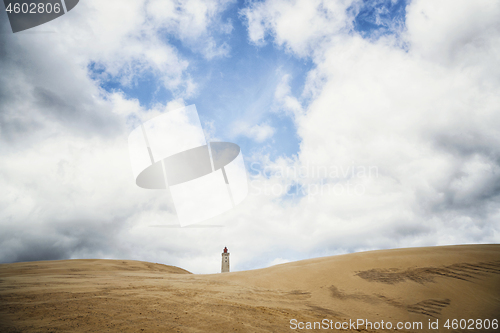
(285, 100)
(301, 26)
(134, 40)
(189, 21)
(454, 31)
(122, 42)
(426, 118)
(258, 132)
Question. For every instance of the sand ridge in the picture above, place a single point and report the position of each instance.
(415, 284)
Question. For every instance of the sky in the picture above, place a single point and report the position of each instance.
(364, 125)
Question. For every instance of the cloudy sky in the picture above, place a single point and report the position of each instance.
(364, 125)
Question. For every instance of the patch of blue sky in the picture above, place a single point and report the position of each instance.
(296, 191)
(146, 88)
(240, 87)
(380, 17)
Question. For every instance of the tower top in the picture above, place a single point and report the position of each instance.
(225, 261)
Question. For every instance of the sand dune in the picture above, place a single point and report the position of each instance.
(403, 285)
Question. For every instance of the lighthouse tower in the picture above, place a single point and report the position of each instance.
(225, 261)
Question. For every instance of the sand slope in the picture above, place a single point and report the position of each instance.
(415, 285)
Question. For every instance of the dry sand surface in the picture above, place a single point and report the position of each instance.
(414, 285)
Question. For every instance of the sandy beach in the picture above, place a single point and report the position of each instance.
(415, 285)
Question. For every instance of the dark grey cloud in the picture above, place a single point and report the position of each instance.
(61, 240)
(41, 95)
